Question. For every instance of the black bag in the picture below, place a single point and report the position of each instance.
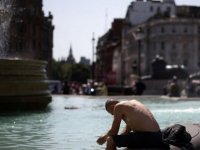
(178, 136)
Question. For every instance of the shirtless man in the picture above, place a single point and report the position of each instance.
(142, 130)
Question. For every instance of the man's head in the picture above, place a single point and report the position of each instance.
(110, 104)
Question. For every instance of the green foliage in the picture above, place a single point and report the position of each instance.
(80, 73)
(70, 72)
(57, 71)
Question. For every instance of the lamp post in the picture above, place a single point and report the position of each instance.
(138, 34)
(93, 47)
(139, 58)
(93, 42)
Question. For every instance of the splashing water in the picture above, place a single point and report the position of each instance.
(6, 13)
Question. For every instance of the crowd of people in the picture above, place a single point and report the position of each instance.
(173, 88)
(91, 88)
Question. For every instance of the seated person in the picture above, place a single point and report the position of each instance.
(141, 131)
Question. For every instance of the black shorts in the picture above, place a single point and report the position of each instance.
(140, 140)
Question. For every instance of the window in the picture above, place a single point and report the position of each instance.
(151, 9)
(185, 62)
(158, 10)
(185, 30)
(186, 57)
(168, 9)
(173, 30)
(163, 45)
(162, 30)
(154, 46)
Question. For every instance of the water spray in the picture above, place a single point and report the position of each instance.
(6, 13)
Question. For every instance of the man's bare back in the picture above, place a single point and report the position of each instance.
(137, 116)
(138, 119)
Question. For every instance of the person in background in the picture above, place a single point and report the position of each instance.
(104, 89)
(139, 87)
(174, 90)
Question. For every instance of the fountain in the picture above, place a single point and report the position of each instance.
(23, 83)
(6, 14)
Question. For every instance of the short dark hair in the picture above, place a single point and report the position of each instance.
(110, 102)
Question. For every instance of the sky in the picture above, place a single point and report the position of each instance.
(76, 21)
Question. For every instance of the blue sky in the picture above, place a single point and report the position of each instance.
(75, 22)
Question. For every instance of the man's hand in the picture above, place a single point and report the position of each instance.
(101, 140)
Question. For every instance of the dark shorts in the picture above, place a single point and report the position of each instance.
(140, 140)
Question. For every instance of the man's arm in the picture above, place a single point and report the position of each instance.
(115, 125)
(116, 121)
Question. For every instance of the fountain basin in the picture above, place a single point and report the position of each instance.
(23, 85)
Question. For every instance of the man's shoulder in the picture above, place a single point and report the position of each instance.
(123, 104)
(120, 106)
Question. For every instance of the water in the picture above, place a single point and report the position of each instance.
(78, 128)
(6, 13)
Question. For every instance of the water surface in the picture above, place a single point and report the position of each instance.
(78, 127)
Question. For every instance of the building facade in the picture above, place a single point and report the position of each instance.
(175, 38)
(31, 33)
(84, 61)
(173, 35)
(153, 28)
(140, 11)
(109, 45)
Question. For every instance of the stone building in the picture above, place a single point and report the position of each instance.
(173, 34)
(108, 52)
(152, 28)
(175, 38)
(84, 61)
(140, 11)
(139, 14)
(31, 32)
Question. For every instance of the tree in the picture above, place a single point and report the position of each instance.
(79, 73)
(70, 72)
(57, 71)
